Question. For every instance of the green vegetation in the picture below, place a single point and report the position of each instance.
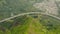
(16, 7)
(29, 25)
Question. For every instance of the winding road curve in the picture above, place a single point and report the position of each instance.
(27, 14)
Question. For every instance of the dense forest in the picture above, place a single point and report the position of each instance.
(8, 7)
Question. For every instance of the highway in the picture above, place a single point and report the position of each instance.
(27, 14)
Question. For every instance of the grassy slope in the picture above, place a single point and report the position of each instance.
(31, 26)
(34, 27)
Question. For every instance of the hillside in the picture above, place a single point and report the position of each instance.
(10, 8)
(31, 25)
(21, 17)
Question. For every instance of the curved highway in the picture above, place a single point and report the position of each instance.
(26, 14)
